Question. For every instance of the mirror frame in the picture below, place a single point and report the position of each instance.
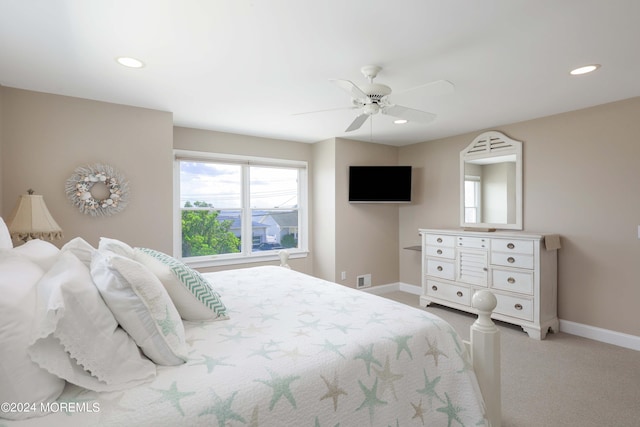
(484, 146)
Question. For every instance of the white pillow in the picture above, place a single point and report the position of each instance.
(21, 380)
(42, 253)
(5, 236)
(192, 294)
(116, 246)
(76, 337)
(141, 305)
(80, 248)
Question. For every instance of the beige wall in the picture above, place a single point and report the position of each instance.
(581, 175)
(353, 238)
(227, 143)
(324, 209)
(366, 234)
(45, 137)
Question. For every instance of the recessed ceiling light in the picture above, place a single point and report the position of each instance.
(130, 62)
(400, 121)
(584, 70)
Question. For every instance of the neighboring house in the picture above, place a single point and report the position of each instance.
(280, 224)
(258, 234)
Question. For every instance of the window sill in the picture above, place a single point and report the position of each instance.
(204, 262)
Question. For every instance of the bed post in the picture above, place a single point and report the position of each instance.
(284, 257)
(485, 355)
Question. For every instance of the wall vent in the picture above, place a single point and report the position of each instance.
(363, 281)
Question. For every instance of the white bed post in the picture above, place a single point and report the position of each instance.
(485, 355)
(284, 257)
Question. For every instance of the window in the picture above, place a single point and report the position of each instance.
(238, 209)
(471, 199)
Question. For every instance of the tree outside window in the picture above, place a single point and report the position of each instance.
(240, 209)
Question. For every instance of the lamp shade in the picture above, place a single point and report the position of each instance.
(31, 219)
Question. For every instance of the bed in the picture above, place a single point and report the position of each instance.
(285, 349)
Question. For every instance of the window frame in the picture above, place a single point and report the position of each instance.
(246, 255)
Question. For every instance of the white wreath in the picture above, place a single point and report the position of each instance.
(78, 189)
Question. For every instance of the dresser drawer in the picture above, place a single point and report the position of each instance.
(512, 260)
(521, 308)
(440, 240)
(440, 251)
(515, 281)
(453, 293)
(472, 242)
(441, 268)
(512, 246)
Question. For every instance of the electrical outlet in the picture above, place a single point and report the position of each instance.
(363, 281)
(343, 275)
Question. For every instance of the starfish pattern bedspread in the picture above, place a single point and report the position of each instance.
(297, 351)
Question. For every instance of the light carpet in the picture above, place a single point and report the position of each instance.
(564, 380)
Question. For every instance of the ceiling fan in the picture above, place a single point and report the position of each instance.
(373, 98)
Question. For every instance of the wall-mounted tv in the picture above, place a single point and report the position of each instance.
(379, 184)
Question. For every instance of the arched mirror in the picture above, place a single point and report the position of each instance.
(491, 183)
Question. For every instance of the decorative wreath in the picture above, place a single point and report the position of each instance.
(79, 185)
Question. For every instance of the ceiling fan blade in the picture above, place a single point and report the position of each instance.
(350, 87)
(435, 88)
(408, 114)
(324, 111)
(357, 122)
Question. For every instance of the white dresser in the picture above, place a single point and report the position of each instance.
(519, 268)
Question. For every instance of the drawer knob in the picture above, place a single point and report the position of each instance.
(439, 240)
(434, 287)
(459, 293)
(511, 260)
(518, 306)
(511, 245)
(511, 280)
(439, 268)
(439, 251)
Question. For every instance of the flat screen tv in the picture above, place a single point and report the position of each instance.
(379, 184)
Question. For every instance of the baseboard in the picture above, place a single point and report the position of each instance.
(598, 334)
(382, 289)
(394, 287)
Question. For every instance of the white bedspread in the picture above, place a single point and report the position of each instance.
(297, 351)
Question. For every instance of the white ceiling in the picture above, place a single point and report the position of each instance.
(246, 67)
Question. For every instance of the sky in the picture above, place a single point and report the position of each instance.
(220, 185)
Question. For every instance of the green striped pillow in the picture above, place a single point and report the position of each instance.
(192, 294)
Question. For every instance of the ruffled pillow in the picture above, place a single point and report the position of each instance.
(76, 337)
